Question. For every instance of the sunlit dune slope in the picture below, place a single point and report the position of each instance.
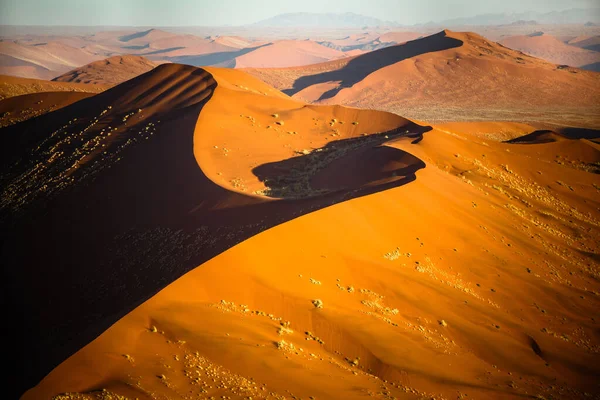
(449, 76)
(479, 279)
(129, 189)
(111, 71)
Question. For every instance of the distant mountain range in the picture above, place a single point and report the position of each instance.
(329, 20)
(352, 20)
(571, 16)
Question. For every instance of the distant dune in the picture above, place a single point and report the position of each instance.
(41, 61)
(287, 53)
(111, 71)
(586, 42)
(553, 50)
(434, 79)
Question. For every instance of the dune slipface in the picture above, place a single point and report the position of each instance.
(124, 192)
(478, 279)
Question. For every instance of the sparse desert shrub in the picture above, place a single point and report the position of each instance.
(318, 303)
(284, 328)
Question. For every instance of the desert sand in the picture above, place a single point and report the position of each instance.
(11, 86)
(551, 49)
(242, 243)
(42, 60)
(109, 72)
(433, 79)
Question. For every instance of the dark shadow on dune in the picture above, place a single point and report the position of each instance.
(141, 47)
(213, 58)
(537, 137)
(360, 67)
(161, 51)
(549, 136)
(592, 67)
(76, 260)
(136, 35)
(354, 166)
(580, 133)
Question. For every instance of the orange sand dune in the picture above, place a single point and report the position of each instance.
(433, 79)
(551, 49)
(287, 53)
(11, 86)
(475, 278)
(126, 170)
(111, 71)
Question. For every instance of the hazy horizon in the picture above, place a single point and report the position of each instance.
(238, 13)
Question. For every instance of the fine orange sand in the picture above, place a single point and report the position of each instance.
(452, 261)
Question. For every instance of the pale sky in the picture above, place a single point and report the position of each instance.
(239, 12)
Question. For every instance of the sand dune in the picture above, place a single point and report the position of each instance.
(234, 41)
(474, 275)
(41, 60)
(551, 49)
(287, 53)
(111, 150)
(111, 71)
(586, 42)
(11, 86)
(433, 79)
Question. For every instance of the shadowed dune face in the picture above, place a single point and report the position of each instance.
(477, 280)
(122, 191)
(350, 164)
(20, 108)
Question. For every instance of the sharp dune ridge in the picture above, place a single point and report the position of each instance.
(101, 170)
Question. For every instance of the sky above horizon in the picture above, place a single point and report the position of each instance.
(240, 12)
